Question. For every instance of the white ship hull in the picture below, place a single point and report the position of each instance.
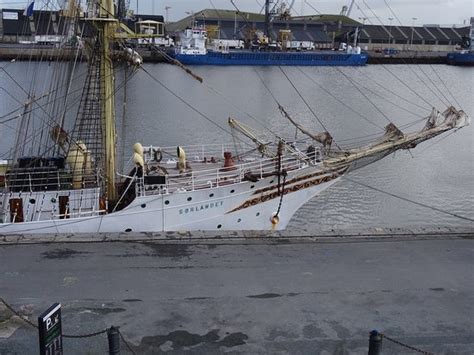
(243, 206)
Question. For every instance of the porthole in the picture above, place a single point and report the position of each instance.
(32, 200)
(271, 181)
(239, 220)
(190, 198)
(167, 202)
(211, 195)
(232, 191)
(53, 200)
(143, 205)
(252, 186)
(128, 230)
(258, 214)
(219, 226)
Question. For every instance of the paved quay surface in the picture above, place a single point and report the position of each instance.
(246, 296)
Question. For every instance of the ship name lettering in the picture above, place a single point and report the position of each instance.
(199, 208)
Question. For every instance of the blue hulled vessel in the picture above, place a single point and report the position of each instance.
(466, 56)
(244, 57)
(193, 51)
(461, 58)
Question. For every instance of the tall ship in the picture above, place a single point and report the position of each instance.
(466, 55)
(61, 175)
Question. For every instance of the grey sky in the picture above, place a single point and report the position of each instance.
(443, 12)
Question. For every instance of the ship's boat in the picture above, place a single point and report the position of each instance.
(61, 179)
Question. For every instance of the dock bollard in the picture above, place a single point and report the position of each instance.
(375, 343)
(114, 340)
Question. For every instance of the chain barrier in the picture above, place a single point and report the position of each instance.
(406, 345)
(11, 309)
(126, 342)
(27, 321)
(90, 335)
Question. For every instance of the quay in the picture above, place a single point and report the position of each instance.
(23, 52)
(295, 296)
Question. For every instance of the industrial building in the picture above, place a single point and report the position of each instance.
(45, 26)
(325, 31)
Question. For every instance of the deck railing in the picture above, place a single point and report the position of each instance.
(192, 180)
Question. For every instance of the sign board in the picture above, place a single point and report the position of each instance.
(50, 331)
(10, 15)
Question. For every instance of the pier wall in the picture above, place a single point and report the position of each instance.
(46, 53)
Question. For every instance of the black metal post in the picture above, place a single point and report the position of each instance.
(375, 343)
(114, 340)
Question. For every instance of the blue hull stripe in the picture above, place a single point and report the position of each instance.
(274, 58)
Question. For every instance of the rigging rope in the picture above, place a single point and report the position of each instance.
(424, 83)
(339, 100)
(307, 105)
(51, 124)
(393, 12)
(188, 104)
(446, 87)
(389, 101)
(409, 200)
(407, 86)
(364, 14)
(363, 94)
(394, 93)
(232, 104)
(416, 74)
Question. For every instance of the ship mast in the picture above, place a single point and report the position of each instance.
(107, 25)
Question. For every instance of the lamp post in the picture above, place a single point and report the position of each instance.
(167, 8)
(412, 30)
(390, 30)
(235, 24)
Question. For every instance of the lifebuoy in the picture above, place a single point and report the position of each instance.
(157, 155)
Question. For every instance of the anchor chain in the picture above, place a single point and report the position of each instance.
(282, 193)
(281, 187)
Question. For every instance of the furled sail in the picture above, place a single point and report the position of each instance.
(324, 138)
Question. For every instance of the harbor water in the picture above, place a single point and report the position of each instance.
(354, 104)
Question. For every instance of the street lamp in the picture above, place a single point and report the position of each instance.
(412, 30)
(167, 8)
(390, 29)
